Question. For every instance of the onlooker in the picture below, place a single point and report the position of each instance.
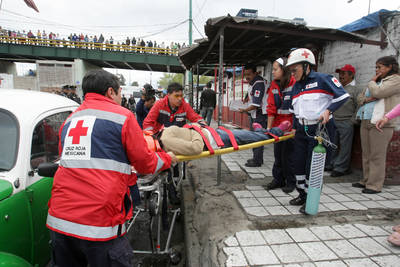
(278, 112)
(124, 102)
(344, 122)
(384, 85)
(143, 109)
(208, 101)
(257, 108)
(132, 103)
(394, 238)
(72, 94)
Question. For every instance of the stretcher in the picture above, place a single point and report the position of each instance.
(227, 150)
(153, 191)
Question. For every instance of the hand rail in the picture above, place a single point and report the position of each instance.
(87, 45)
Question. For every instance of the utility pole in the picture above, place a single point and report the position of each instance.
(190, 22)
(369, 5)
(190, 76)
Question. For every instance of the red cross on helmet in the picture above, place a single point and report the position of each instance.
(301, 55)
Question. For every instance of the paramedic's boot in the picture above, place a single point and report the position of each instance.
(252, 164)
(288, 189)
(298, 201)
(303, 209)
(274, 185)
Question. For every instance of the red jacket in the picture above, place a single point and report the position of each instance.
(99, 143)
(161, 115)
(279, 102)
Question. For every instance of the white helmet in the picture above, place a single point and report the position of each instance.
(301, 55)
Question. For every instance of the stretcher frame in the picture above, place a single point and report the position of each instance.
(153, 185)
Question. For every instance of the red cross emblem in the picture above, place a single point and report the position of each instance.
(305, 54)
(77, 132)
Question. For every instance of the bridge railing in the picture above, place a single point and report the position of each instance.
(88, 45)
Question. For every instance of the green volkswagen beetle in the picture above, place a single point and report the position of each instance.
(29, 125)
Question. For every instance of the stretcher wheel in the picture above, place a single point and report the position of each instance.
(175, 257)
(153, 205)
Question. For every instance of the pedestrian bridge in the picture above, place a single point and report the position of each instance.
(21, 49)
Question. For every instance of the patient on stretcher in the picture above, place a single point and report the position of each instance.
(194, 138)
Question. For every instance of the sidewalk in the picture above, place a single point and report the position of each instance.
(239, 223)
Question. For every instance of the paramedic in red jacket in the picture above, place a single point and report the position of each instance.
(279, 102)
(170, 110)
(90, 203)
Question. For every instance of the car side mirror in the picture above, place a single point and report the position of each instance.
(47, 169)
(6, 189)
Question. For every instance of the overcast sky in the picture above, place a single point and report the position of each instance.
(159, 19)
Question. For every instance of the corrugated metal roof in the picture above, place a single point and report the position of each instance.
(258, 40)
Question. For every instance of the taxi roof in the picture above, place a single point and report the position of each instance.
(27, 104)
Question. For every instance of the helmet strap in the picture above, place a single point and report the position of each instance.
(305, 65)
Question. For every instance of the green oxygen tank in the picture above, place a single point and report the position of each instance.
(316, 178)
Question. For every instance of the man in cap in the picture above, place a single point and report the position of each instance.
(344, 120)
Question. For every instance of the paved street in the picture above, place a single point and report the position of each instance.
(239, 223)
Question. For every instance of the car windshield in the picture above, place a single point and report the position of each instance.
(9, 140)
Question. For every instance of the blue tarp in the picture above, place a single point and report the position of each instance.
(371, 21)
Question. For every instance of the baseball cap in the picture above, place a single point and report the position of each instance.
(347, 67)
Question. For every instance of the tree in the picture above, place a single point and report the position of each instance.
(135, 83)
(121, 78)
(169, 78)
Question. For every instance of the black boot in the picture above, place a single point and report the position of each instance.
(298, 201)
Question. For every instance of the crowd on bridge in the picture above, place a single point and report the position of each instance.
(43, 38)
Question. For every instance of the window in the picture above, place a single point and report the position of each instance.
(45, 139)
(9, 136)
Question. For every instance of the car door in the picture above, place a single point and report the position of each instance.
(15, 212)
(44, 148)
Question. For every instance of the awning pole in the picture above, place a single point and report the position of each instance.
(233, 87)
(191, 88)
(220, 77)
(197, 91)
(215, 78)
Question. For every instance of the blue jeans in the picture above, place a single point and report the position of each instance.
(206, 113)
(246, 137)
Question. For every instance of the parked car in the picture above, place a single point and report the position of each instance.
(29, 126)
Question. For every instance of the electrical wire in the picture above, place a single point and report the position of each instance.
(194, 24)
(85, 28)
(164, 30)
(200, 8)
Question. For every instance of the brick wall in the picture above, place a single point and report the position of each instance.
(363, 58)
(26, 82)
(55, 74)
